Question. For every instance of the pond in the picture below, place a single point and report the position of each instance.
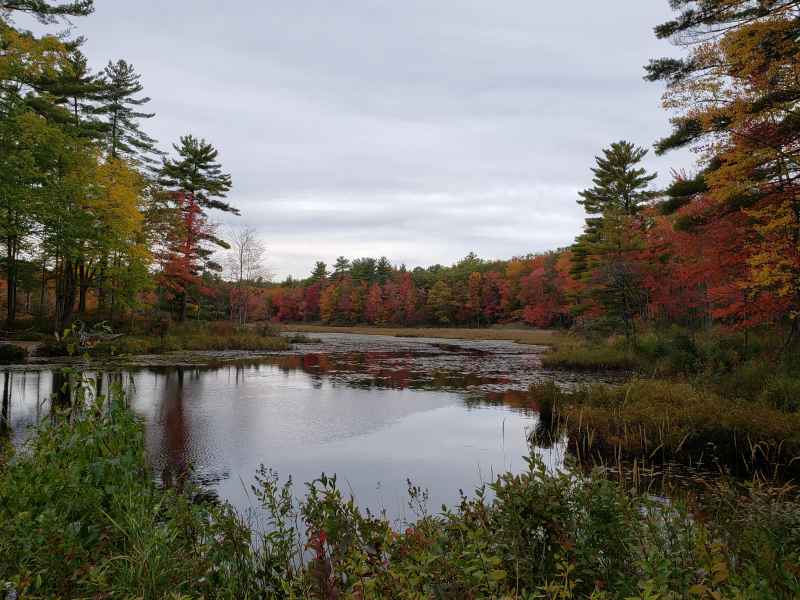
(377, 411)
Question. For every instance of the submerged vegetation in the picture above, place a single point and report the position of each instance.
(81, 516)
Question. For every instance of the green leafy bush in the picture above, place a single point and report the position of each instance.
(80, 516)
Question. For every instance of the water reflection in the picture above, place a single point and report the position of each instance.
(375, 419)
(5, 424)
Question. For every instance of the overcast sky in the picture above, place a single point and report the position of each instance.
(420, 130)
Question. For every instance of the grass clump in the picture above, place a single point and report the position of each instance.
(518, 334)
(216, 336)
(668, 420)
(584, 357)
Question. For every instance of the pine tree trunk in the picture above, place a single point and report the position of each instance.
(84, 288)
(43, 291)
(65, 294)
(11, 275)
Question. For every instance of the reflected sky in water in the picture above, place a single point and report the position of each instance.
(376, 419)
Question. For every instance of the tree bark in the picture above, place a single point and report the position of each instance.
(11, 276)
(65, 295)
(84, 288)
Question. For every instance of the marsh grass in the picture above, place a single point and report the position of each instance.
(213, 336)
(577, 356)
(661, 420)
(521, 335)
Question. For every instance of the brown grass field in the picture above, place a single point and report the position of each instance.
(536, 337)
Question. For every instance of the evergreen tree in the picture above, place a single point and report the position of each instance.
(619, 186)
(119, 104)
(599, 255)
(383, 270)
(702, 23)
(48, 12)
(196, 179)
(197, 172)
(320, 272)
(75, 90)
(618, 183)
(341, 267)
(363, 269)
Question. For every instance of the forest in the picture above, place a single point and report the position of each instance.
(98, 223)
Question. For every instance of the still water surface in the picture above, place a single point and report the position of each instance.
(447, 415)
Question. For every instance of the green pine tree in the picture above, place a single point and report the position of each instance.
(618, 183)
(119, 103)
(341, 267)
(320, 272)
(383, 270)
(620, 191)
(48, 12)
(76, 89)
(197, 172)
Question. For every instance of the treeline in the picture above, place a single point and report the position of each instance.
(91, 211)
(472, 292)
(95, 213)
(719, 246)
(675, 256)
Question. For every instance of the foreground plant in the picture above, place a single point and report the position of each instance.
(81, 516)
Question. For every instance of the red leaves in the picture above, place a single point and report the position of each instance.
(182, 259)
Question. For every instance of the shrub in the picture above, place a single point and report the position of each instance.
(80, 516)
(538, 534)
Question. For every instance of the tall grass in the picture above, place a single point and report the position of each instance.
(756, 367)
(582, 357)
(672, 421)
(519, 334)
(214, 336)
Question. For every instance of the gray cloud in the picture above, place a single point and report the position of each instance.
(418, 130)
